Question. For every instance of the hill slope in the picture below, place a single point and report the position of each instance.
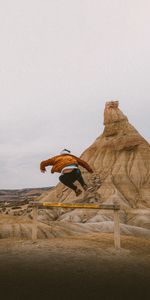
(120, 158)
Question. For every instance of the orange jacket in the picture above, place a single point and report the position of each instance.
(60, 161)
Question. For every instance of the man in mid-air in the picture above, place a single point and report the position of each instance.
(68, 165)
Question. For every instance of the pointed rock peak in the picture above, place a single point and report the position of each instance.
(112, 113)
(114, 119)
(119, 133)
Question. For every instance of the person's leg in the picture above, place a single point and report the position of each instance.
(66, 180)
(80, 179)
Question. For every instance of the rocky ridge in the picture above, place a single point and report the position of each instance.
(120, 158)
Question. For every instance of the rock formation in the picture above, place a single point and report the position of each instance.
(120, 158)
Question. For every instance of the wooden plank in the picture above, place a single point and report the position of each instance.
(34, 225)
(116, 230)
(77, 205)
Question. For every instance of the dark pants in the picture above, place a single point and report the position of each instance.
(69, 178)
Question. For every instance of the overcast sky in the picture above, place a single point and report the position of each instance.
(60, 61)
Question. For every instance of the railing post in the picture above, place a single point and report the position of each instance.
(34, 224)
(116, 229)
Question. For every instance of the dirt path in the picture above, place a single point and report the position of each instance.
(86, 267)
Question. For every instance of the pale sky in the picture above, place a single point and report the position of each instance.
(60, 61)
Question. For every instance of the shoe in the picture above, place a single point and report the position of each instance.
(85, 187)
(78, 192)
(90, 189)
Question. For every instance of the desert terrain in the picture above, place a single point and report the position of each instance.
(74, 256)
(79, 267)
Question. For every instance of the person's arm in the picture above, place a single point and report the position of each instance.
(45, 163)
(85, 165)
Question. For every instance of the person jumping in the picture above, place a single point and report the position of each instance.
(67, 164)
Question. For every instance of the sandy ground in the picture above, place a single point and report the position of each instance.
(85, 267)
